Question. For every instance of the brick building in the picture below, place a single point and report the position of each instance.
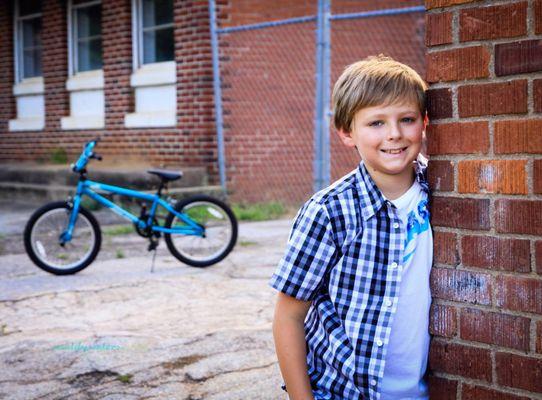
(139, 73)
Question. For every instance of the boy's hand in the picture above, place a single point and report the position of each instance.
(290, 344)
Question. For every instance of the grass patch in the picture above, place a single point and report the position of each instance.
(118, 230)
(258, 211)
(125, 378)
(119, 253)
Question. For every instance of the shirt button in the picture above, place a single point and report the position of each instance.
(396, 225)
(394, 265)
(373, 382)
(388, 303)
(379, 343)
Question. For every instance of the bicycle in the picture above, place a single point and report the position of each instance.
(63, 237)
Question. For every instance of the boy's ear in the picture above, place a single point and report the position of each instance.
(346, 137)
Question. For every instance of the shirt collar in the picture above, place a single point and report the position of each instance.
(371, 197)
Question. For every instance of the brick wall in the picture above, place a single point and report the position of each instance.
(190, 143)
(484, 64)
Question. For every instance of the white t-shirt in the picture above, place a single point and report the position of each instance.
(408, 347)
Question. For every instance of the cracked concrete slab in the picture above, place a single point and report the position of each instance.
(116, 331)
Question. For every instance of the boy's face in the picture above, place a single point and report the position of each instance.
(388, 138)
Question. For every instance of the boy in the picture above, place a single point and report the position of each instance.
(352, 313)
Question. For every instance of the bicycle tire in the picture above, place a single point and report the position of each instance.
(221, 212)
(56, 259)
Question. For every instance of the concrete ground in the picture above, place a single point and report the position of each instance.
(116, 331)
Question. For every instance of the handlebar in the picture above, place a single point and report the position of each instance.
(86, 155)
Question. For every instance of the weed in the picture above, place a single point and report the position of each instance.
(246, 243)
(119, 253)
(59, 156)
(125, 378)
(118, 230)
(91, 204)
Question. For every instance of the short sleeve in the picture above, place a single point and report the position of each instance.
(310, 252)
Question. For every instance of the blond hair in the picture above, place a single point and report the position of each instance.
(374, 81)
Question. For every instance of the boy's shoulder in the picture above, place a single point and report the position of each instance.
(337, 191)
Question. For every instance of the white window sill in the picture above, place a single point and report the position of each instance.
(26, 124)
(79, 122)
(156, 74)
(88, 80)
(150, 120)
(29, 86)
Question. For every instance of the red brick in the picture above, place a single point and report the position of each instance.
(459, 285)
(537, 176)
(539, 337)
(537, 95)
(518, 216)
(481, 23)
(442, 389)
(440, 175)
(495, 253)
(519, 136)
(470, 392)
(518, 57)
(519, 293)
(439, 103)
(537, 16)
(456, 212)
(519, 371)
(458, 64)
(495, 328)
(492, 176)
(493, 99)
(445, 248)
(457, 359)
(458, 138)
(438, 28)
(538, 256)
(443, 320)
(429, 4)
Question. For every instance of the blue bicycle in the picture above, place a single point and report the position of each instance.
(63, 237)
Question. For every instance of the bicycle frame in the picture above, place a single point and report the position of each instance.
(88, 187)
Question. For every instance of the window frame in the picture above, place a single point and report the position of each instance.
(18, 42)
(72, 35)
(138, 31)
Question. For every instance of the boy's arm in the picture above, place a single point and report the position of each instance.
(290, 344)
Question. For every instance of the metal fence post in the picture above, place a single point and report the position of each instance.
(321, 163)
(217, 95)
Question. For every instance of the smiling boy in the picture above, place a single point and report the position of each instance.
(352, 313)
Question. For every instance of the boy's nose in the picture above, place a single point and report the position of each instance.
(394, 132)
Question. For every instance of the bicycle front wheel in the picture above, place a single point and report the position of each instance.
(44, 247)
(220, 234)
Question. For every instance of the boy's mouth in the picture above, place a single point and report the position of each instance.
(394, 151)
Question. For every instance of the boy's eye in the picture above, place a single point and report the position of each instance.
(376, 123)
(408, 119)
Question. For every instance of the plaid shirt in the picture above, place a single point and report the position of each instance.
(344, 254)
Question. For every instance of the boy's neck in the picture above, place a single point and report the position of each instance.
(393, 186)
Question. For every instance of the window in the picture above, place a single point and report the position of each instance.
(28, 39)
(154, 22)
(86, 36)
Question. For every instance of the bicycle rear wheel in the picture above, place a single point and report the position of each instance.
(43, 245)
(220, 235)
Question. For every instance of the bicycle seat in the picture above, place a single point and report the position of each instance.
(165, 174)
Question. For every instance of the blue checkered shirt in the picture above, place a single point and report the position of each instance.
(344, 255)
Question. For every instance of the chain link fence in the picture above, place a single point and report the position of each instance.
(274, 68)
